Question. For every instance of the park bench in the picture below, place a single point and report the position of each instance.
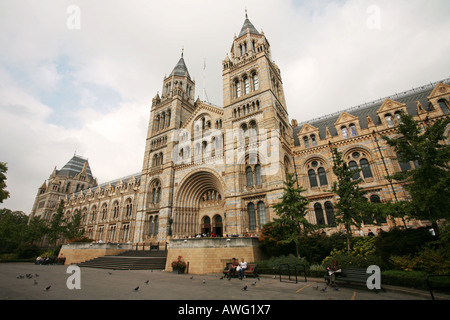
(252, 270)
(351, 275)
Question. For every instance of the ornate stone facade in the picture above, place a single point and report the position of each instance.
(210, 169)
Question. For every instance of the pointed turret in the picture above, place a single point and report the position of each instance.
(181, 69)
(247, 27)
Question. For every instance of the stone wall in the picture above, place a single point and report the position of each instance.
(80, 252)
(210, 255)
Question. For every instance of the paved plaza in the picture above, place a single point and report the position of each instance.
(104, 284)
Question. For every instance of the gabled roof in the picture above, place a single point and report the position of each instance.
(408, 98)
(249, 25)
(74, 167)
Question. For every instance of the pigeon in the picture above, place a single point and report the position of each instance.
(336, 288)
(48, 288)
(35, 282)
(221, 278)
(324, 289)
(259, 279)
(204, 281)
(146, 282)
(316, 288)
(254, 283)
(36, 275)
(192, 277)
(110, 273)
(244, 288)
(136, 289)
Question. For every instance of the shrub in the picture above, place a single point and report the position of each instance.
(398, 242)
(411, 279)
(26, 250)
(429, 260)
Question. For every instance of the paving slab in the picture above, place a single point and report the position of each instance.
(104, 284)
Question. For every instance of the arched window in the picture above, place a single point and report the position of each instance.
(444, 106)
(251, 216)
(262, 213)
(313, 140)
(365, 167)
(322, 176)
(353, 130)
(156, 226)
(404, 166)
(244, 129)
(249, 176)
(319, 213)
(398, 116)
(312, 178)
(330, 214)
(104, 211)
(306, 141)
(158, 194)
(353, 166)
(238, 88)
(374, 198)
(253, 129)
(344, 132)
(151, 225)
(116, 210)
(258, 174)
(255, 81)
(246, 85)
(389, 120)
(206, 225)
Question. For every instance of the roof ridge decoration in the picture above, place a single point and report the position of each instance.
(440, 89)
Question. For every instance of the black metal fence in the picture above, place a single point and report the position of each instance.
(291, 272)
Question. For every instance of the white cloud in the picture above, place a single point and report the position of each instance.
(90, 89)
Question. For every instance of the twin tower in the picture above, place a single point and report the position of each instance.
(206, 169)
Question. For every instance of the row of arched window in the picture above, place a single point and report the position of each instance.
(157, 159)
(93, 215)
(153, 226)
(357, 161)
(162, 120)
(253, 175)
(330, 218)
(245, 84)
(256, 215)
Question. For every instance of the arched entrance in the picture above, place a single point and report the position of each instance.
(199, 205)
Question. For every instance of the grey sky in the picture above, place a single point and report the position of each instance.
(89, 90)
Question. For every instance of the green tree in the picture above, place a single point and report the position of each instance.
(73, 229)
(57, 225)
(352, 206)
(429, 183)
(4, 194)
(12, 229)
(291, 211)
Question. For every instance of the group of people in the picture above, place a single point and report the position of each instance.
(240, 267)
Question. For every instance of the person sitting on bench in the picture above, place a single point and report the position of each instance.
(234, 265)
(333, 270)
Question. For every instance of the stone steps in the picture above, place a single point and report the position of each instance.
(155, 260)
